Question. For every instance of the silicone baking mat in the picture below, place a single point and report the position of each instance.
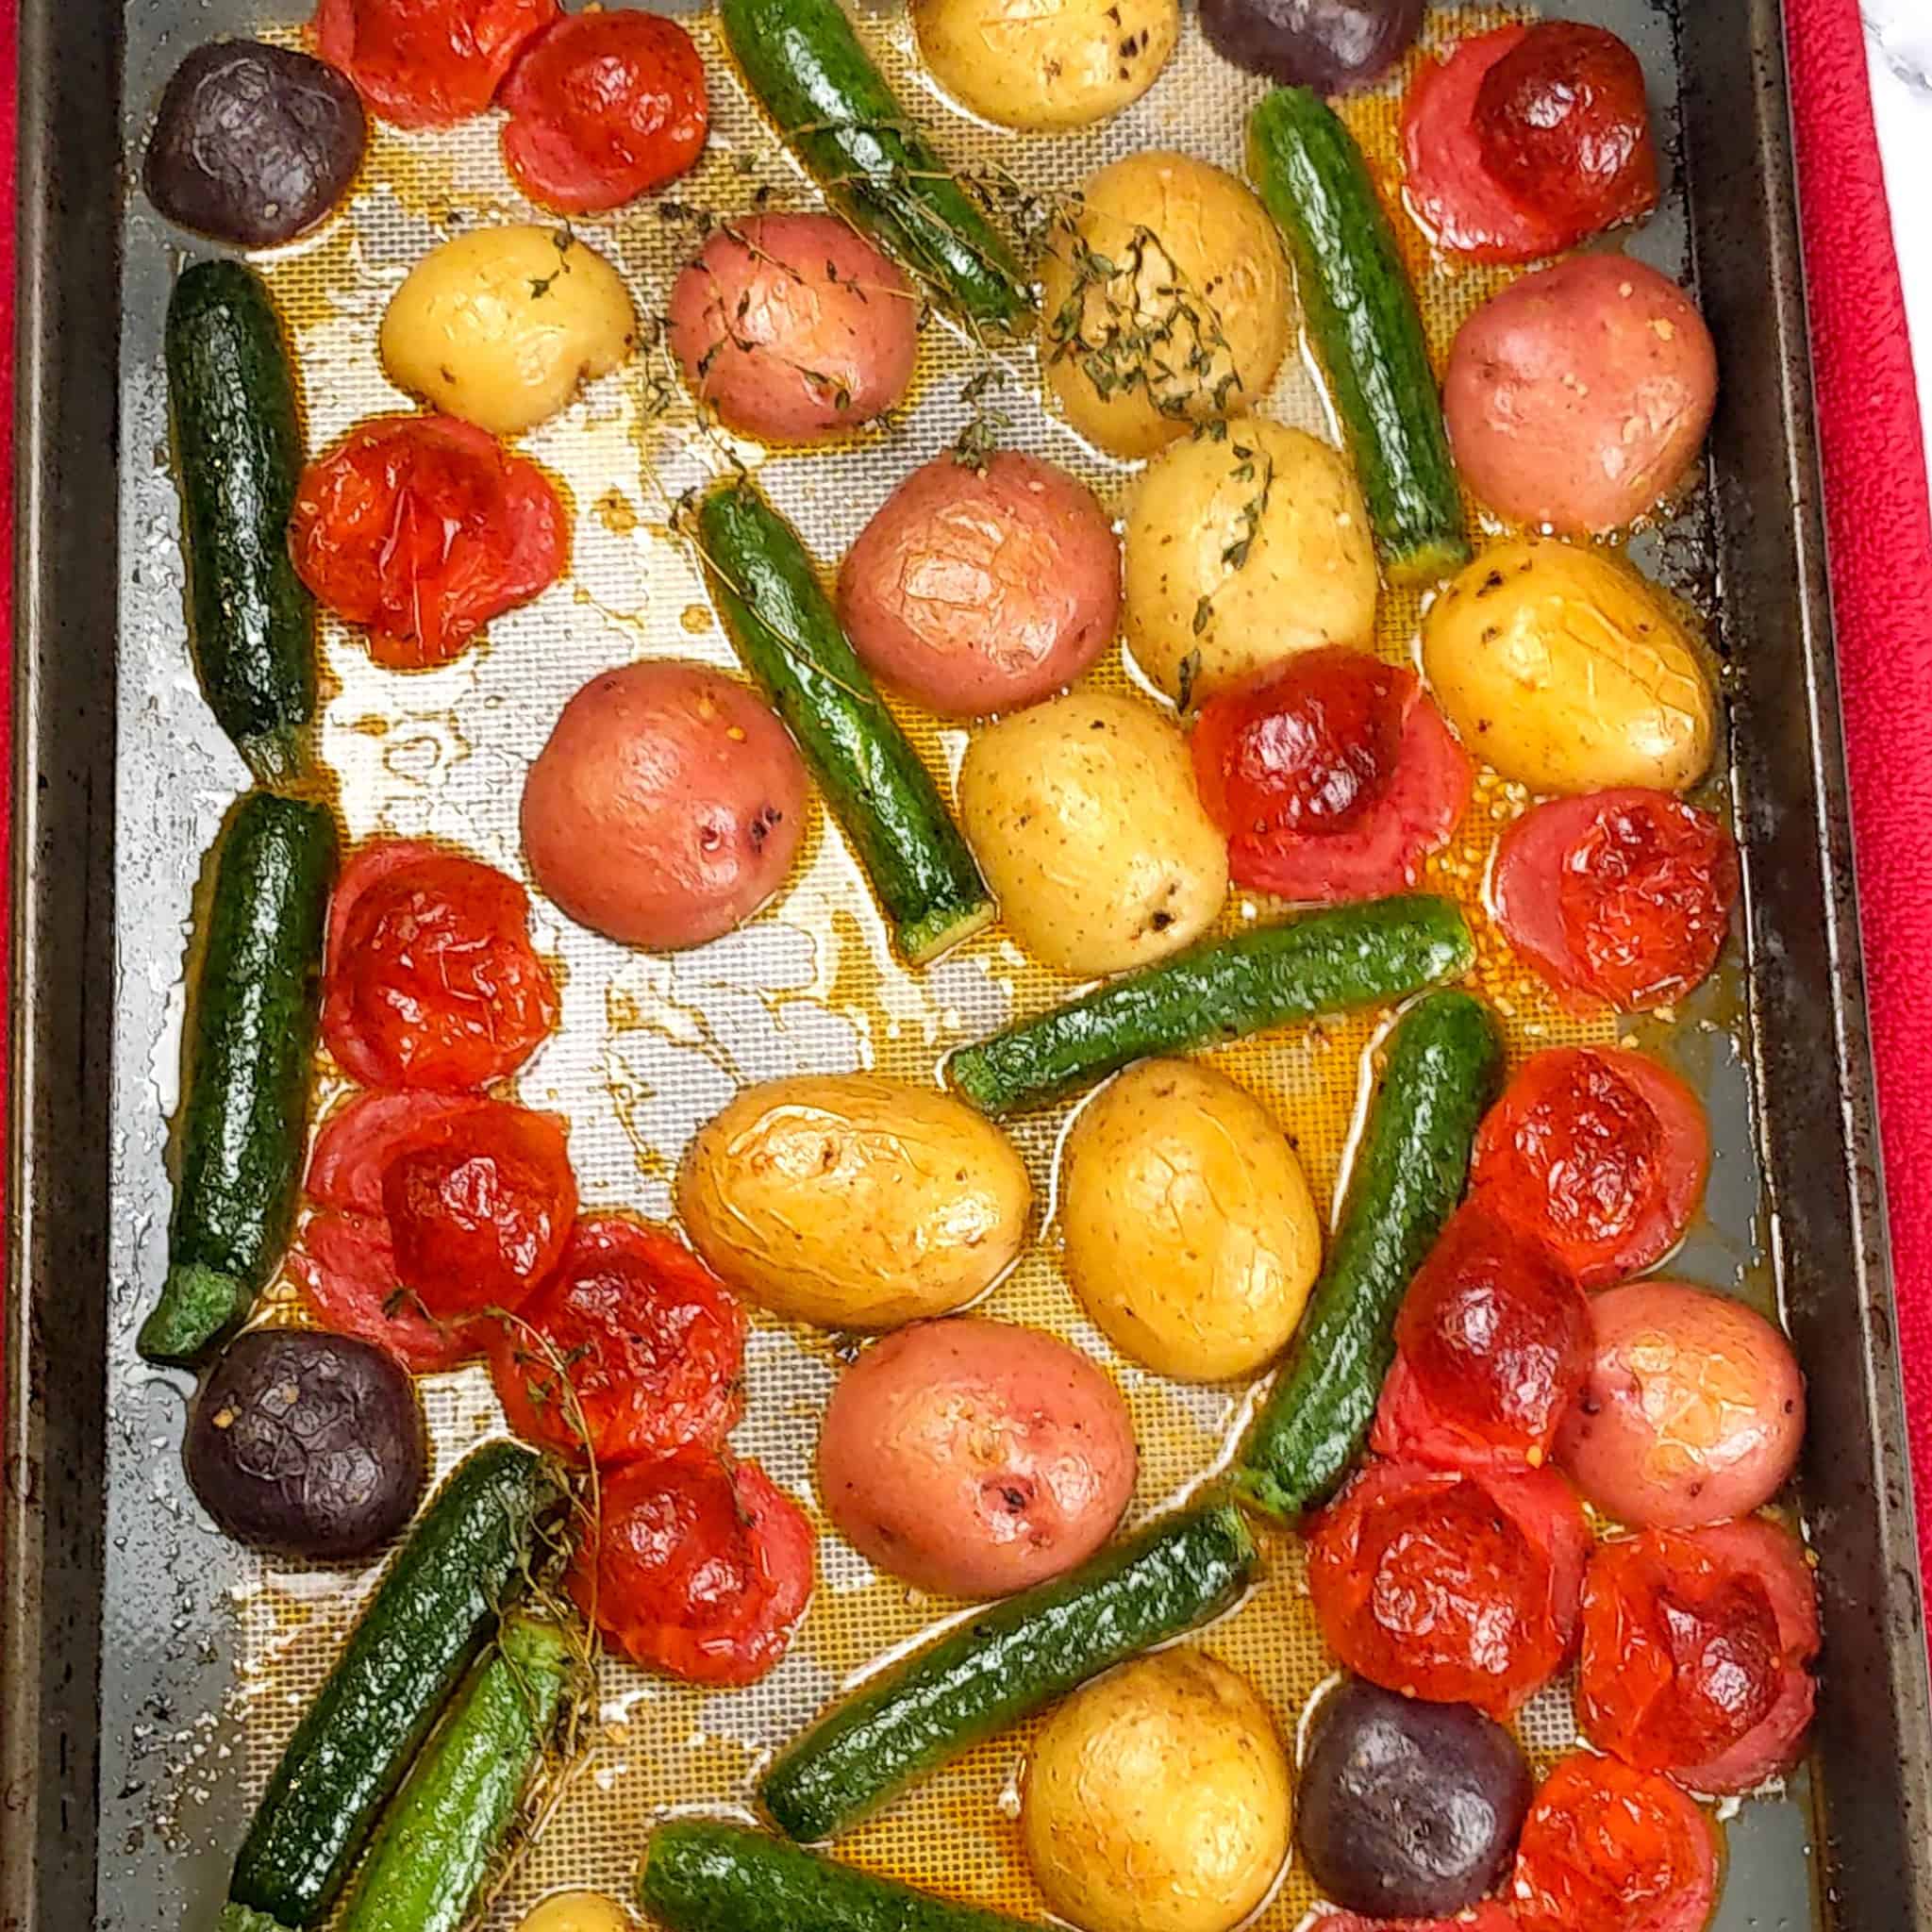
(212, 1652)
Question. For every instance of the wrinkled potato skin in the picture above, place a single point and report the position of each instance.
(1215, 257)
(1045, 64)
(1568, 673)
(1157, 1799)
(794, 328)
(852, 1201)
(1310, 574)
(1191, 1237)
(1084, 817)
(1579, 396)
(981, 590)
(470, 332)
(1693, 1410)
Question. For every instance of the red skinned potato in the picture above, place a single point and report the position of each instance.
(1579, 396)
(981, 587)
(666, 807)
(794, 328)
(973, 1458)
(1691, 1410)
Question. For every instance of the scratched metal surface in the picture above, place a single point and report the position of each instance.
(210, 1651)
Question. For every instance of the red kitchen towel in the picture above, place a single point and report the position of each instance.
(1880, 537)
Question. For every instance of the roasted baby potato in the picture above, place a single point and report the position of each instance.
(1566, 671)
(1083, 815)
(1240, 551)
(974, 1458)
(577, 1911)
(253, 144)
(1167, 302)
(1579, 396)
(501, 326)
(1157, 1799)
(794, 328)
(1191, 1238)
(852, 1201)
(980, 588)
(1045, 64)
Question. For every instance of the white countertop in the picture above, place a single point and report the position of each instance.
(1898, 45)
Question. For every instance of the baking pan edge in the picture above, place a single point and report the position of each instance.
(1875, 1728)
(67, 327)
(1815, 1097)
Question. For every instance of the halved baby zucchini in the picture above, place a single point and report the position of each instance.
(1362, 317)
(778, 614)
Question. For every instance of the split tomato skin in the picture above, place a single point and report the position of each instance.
(631, 1350)
(605, 107)
(343, 1262)
(1563, 127)
(479, 1208)
(1307, 747)
(1456, 1586)
(1493, 1345)
(431, 980)
(1609, 1848)
(1620, 898)
(1447, 185)
(428, 63)
(1696, 1652)
(701, 1568)
(1599, 1154)
(357, 1142)
(345, 1272)
(1333, 776)
(422, 529)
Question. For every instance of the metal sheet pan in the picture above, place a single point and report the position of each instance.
(124, 1767)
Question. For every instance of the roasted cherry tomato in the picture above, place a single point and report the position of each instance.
(633, 1347)
(432, 980)
(1447, 185)
(343, 1261)
(1492, 1345)
(422, 529)
(1607, 1848)
(1620, 896)
(1459, 1587)
(1695, 1655)
(1332, 774)
(605, 108)
(346, 1272)
(1564, 130)
(479, 1207)
(1598, 1153)
(428, 63)
(701, 1569)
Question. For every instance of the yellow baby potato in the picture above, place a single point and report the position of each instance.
(1567, 672)
(853, 1201)
(1159, 1799)
(1241, 551)
(1191, 1235)
(1168, 302)
(1045, 64)
(501, 326)
(1084, 817)
(577, 1911)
